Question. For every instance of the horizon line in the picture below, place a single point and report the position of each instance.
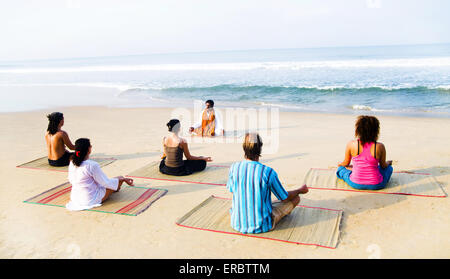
(217, 51)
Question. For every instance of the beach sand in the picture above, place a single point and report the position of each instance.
(373, 225)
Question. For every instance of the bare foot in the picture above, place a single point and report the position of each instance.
(304, 189)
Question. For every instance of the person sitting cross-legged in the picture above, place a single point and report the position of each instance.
(209, 123)
(370, 170)
(174, 146)
(57, 140)
(90, 185)
(252, 183)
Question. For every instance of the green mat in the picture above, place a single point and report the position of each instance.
(130, 200)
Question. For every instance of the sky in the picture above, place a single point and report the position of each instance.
(54, 29)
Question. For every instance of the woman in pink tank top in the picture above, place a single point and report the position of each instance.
(369, 171)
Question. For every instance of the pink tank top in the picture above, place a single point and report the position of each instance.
(365, 168)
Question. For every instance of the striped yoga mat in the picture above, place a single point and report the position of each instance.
(212, 175)
(305, 225)
(42, 164)
(401, 183)
(130, 200)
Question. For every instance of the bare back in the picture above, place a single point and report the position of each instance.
(55, 145)
(356, 150)
(172, 141)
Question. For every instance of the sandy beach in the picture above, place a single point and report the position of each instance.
(373, 225)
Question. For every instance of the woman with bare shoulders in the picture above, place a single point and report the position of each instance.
(57, 140)
(174, 148)
(370, 170)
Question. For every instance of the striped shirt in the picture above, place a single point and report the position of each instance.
(251, 184)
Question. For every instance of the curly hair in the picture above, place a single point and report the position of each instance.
(367, 128)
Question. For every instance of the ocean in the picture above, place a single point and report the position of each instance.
(399, 80)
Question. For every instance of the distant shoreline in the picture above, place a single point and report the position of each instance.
(403, 80)
(88, 96)
(226, 51)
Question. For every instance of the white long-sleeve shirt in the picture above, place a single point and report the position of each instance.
(89, 184)
(217, 122)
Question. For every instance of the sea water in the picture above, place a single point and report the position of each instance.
(401, 80)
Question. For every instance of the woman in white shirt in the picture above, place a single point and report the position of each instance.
(90, 185)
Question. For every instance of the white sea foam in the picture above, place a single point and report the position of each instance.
(294, 65)
(361, 107)
(367, 108)
(132, 87)
(443, 87)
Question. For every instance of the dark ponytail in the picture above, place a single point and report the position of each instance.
(81, 150)
(53, 122)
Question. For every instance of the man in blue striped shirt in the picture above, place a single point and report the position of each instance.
(252, 184)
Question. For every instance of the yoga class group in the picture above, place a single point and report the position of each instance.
(364, 168)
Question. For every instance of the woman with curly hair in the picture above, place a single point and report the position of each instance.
(370, 170)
